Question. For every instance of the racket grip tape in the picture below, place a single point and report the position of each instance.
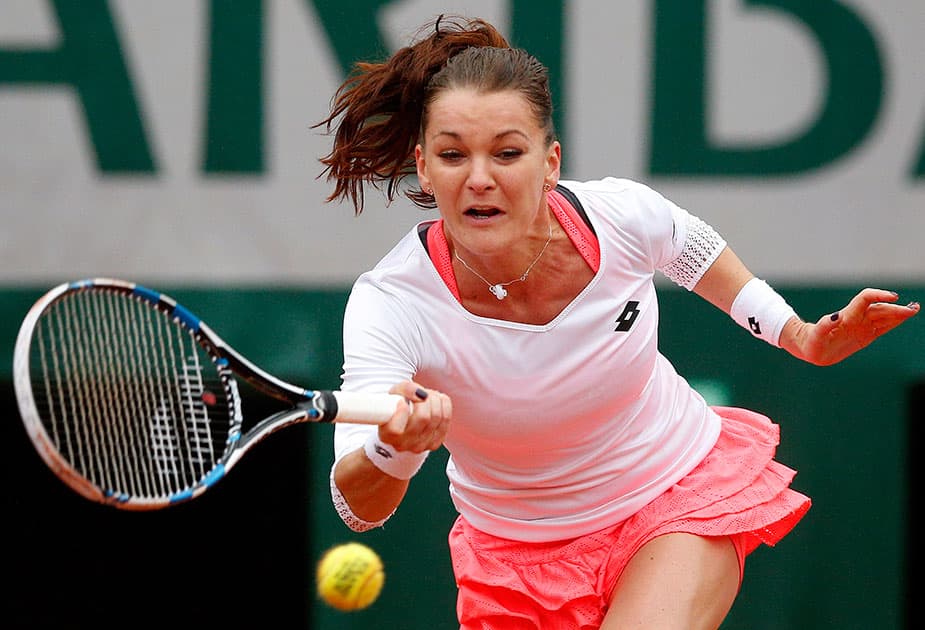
(358, 407)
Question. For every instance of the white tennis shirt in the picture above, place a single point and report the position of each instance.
(561, 429)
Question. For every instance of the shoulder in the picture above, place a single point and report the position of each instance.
(405, 258)
(405, 251)
(402, 274)
(625, 201)
(608, 185)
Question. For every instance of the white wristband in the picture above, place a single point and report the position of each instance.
(760, 309)
(398, 464)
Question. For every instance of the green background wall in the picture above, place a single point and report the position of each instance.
(844, 428)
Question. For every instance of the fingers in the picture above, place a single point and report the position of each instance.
(412, 393)
(432, 419)
(882, 310)
(870, 296)
(883, 317)
(424, 424)
(870, 314)
(875, 304)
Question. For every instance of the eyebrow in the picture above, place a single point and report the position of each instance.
(498, 136)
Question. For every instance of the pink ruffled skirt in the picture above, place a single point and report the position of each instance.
(738, 490)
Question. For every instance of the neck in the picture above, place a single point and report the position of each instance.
(497, 287)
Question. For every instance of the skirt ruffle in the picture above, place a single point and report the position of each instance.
(737, 489)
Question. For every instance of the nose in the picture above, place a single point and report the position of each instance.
(480, 176)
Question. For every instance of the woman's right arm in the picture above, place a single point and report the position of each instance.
(371, 494)
(373, 478)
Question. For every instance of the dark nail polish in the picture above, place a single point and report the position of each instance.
(420, 393)
(834, 317)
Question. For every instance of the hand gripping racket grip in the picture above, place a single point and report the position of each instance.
(357, 407)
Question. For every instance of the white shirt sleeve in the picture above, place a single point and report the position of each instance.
(700, 247)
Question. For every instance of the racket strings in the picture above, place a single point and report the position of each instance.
(129, 398)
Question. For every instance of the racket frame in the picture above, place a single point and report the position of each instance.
(305, 405)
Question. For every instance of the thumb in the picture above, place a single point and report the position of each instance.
(828, 323)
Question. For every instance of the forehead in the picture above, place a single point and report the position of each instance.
(454, 109)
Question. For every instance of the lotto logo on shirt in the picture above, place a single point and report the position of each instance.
(628, 317)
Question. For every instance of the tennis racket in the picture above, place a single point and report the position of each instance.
(134, 402)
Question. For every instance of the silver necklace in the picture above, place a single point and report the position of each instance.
(498, 289)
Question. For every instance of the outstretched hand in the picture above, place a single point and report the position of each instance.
(870, 314)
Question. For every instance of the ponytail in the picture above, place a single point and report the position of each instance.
(376, 112)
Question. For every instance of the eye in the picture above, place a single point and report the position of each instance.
(510, 154)
(450, 155)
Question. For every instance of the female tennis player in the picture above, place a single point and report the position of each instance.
(595, 488)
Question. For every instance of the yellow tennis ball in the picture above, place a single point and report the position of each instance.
(350, 576)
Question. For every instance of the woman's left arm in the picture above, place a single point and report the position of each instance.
(870, 314)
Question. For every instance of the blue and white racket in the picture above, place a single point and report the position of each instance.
(133, 401)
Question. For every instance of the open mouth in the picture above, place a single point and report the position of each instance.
(482, 213)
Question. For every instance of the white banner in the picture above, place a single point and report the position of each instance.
(114, 160)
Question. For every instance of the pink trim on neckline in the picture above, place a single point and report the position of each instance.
(440, 256)
(578, 231)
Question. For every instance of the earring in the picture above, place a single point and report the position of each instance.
(547, 187)
(429, 191)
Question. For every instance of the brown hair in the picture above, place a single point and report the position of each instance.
(382, 107)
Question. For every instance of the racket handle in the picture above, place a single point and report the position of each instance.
(361, 408)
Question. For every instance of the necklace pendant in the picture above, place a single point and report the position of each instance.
(498, 291)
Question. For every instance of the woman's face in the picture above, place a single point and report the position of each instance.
(484, 155)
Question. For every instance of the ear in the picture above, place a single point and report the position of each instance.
(553, 163)
(421, 166)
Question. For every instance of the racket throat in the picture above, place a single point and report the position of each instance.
(322, 407)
